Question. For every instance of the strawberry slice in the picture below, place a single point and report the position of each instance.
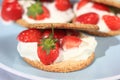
(62, 5)
(69, 42)
(82, 3)
(11, 10)
(113, 22)
(30, 35)
(102, 7)
(88, 18)
(48, 50)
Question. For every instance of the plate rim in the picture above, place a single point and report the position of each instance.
(28, 76)
(21, 74)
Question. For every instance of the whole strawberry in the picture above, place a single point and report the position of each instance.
(38, 12)
(11, 10)
(48, 50)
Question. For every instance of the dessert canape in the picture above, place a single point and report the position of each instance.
(58, 50)
(58, 11)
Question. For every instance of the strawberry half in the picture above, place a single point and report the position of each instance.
(113, 22)
(48, 50)
(69, 42)
(62, 5)
(30, 35)
(88, 18)
(101, 7)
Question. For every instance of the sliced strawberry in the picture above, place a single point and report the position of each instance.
(30, 35)
(82, 3)
(58, 33)
(69, 42)
(62, 5)
(11, 10)
(88, 18)
(113, 22)
(48, 50)
(101, 7)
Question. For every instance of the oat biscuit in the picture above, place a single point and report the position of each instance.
(83, 27)
(103, 34)
(65, 66)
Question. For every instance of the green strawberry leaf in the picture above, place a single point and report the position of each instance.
(48, 43)
(35, 9)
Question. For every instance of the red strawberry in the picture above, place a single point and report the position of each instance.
(30, 35)
(8, 2)
(48, 50)
(101, 7)
(48, 58)
(63, 5)
(58, 33)
(88, 18)
(69, 42)
(44, 15)
(38, 12)
(113, 22)
(82, 3)
(11, 10)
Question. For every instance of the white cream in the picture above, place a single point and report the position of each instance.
(56, 16)
(85, 49)
(28, 50)
(88, 8)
